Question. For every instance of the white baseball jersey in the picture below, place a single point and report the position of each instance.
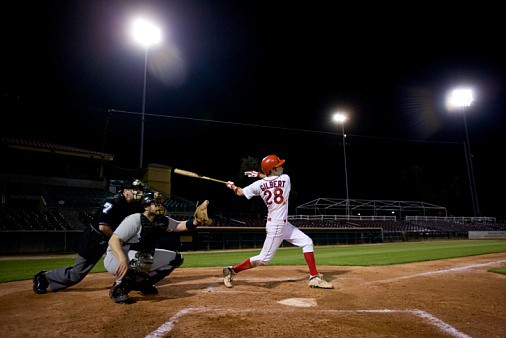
(275, 191)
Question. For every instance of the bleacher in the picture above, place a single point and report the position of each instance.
(452, 225)
(81, 210)
(59, 208)
(33, 220)
(74, 196)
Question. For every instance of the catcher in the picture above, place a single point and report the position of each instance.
(132, 255)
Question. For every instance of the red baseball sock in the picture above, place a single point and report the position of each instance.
(243, 266)
(309, 257)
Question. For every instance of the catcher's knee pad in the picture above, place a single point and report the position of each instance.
(140, 266)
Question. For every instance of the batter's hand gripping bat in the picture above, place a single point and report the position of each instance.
(192, 174)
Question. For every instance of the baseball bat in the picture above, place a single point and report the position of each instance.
(192, 174)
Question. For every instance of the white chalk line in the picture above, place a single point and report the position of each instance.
(169, 325)
(164, 329)
(437, 272)
(270, 279)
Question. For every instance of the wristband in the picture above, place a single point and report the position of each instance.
(190, 225)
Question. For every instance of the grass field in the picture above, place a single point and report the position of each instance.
(19, 268)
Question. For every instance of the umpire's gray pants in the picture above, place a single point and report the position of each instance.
(62, 278)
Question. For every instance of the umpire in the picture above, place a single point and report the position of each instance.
(92, 243)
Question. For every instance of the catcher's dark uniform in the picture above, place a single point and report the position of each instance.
(92, 243)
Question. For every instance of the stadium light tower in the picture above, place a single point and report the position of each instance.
(340, 118)
(460, 99)
(147, 35)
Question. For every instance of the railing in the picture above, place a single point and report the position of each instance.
(342, 217)
(452, 219)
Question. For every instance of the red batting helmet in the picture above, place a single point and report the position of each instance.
(269, 162)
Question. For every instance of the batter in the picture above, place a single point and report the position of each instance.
(274, 188)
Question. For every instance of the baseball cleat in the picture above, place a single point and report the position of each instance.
(119, 294)
(228, 276)
(318, 282)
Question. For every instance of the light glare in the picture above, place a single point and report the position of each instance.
(460, 98)
(339, 117)
(145, 33)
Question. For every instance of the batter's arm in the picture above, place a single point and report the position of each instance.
(237, 190)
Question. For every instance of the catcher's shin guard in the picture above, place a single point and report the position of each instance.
(158, 275)
(177, 261)
(155, 278)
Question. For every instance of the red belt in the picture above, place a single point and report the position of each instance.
(270, 220)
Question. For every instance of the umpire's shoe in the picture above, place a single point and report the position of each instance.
(40, 283)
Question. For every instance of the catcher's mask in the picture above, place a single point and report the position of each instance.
(154, 197)
(137, 189)
(136, 186)
(269, 162)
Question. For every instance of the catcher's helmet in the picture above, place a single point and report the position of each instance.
(155, 197)
(269, 162)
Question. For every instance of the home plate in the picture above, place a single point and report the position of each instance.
(301, 302)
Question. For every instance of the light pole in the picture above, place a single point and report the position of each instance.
(460, 99)
(341, 118)
(146, 34)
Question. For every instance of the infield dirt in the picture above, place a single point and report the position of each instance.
(447, 298)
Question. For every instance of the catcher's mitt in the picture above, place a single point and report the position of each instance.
(200, 215)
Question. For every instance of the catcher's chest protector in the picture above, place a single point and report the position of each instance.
(148, 238)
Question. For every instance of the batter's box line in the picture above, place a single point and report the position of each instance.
(270, 279)
(214, 289)
(165, 328)
(462, 268)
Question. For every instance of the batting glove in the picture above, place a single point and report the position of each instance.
(232, 186)
(251, 173)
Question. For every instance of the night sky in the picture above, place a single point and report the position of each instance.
(233, 79)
